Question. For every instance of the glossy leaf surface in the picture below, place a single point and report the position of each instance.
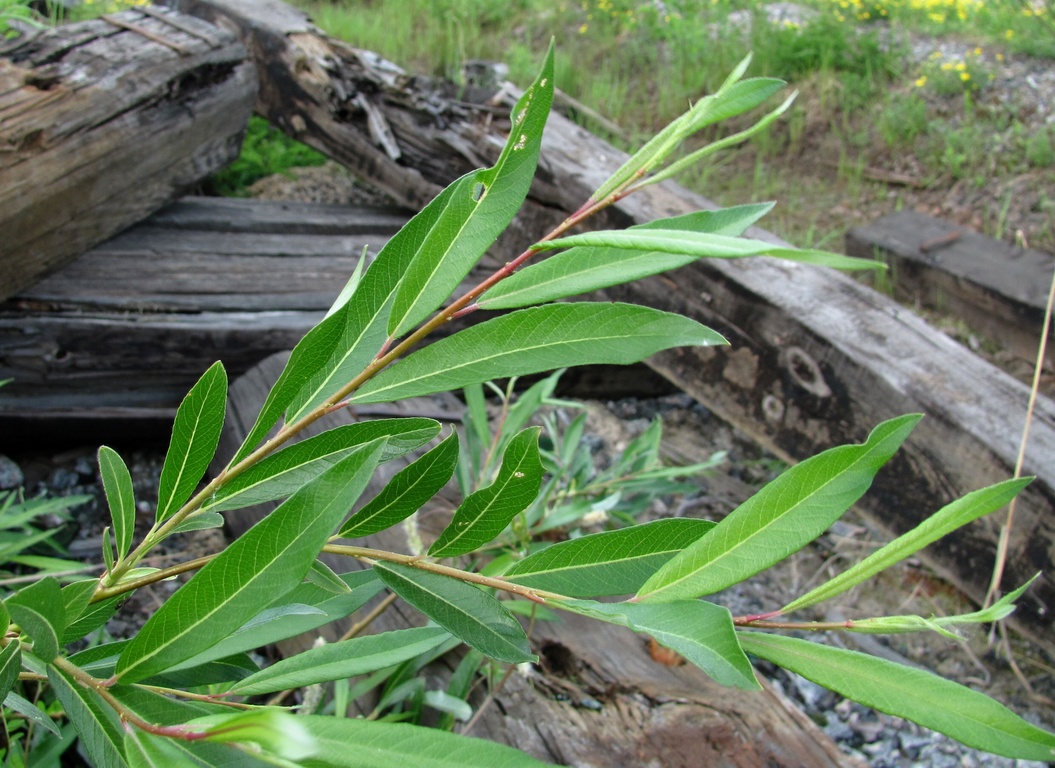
(485, 513)
(195, 435)
(783, 517)
(534, 340)
(957, 711)
(260, 566)
(467, 612)
(610, 563)
(117, 484)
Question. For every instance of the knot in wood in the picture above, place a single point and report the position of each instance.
(805, 371)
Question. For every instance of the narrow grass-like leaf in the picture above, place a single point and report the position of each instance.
(610, 563)
(263, 564)
(534, 340)
(589, 268)
(10, 666)
(477, 212)
(485, 513)
(195, 435)
(40, 611)
(305, 608)
(117, 484)
(700, 245)
(283, 472)
(406, 492)
(950, 517)
(345, 659)
(780, 519)
(96, 723)
(914, 694)
(700, 631)
(470, 614)
(395, 745)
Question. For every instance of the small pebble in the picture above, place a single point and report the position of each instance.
(10, 474)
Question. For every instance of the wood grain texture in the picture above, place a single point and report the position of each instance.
(597, 697)
(815, 359)
(100, 125)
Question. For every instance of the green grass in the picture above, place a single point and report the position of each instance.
(265, 151)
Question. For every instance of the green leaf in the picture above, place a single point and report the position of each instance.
(700, 245)
(273, 731)
(200, 521)
(305, 608)
(952, 516)
(96, 723)
(610, 563)
(217, 672)
(31, 712)
(477, 212)
(406, 492)
(82, 615)
(117, 483)
(584, 269)
(914, 694)
(10, 666)
(780, 519)
(534, 340)
(283, 472)
(485, 513)
(395, 745)
(470, 614)
(345, 659)
(701, 632)
(195, 435)
(41, 613)
(263, 564)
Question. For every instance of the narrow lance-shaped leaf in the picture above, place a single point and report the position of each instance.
(397, 745)
(780, 519)
(589, 268)
(348, 658)
(195, 435)
(470, 614)
(283, 472)
(96, 723)
(117, 483)
(40, 611)
(32, 713)
(260, 566)
(610, 563)
(485, 513)
(535, 340)
(700, 631)
(952, 516)
(703, 244)
(477, 212)
(406, 492)
(10, 666)
(914, 694)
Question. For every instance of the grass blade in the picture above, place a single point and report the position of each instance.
(955, 710)
(263, 564)
(195, 435)
(701, 632)
(610, 563)
(780, 519)
(406, 492)
(345, 659)
(470, 614)
(534, 340)
(947, 519)
(485, 513)
(117, 484)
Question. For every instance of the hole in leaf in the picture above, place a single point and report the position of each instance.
(478, 192)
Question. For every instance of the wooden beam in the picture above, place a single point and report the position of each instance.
(103, 122)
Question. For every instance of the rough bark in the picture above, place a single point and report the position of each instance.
(105, 121)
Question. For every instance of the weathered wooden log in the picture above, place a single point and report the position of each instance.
(597, 697)
(103, 122)
(121, 334)
(999, 290)
(815, 358)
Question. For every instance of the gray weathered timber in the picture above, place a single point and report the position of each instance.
(815, 359)
(103, 122)
(999, 290)
(597, 697)
(123, 332)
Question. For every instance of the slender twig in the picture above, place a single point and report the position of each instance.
(370, 618)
